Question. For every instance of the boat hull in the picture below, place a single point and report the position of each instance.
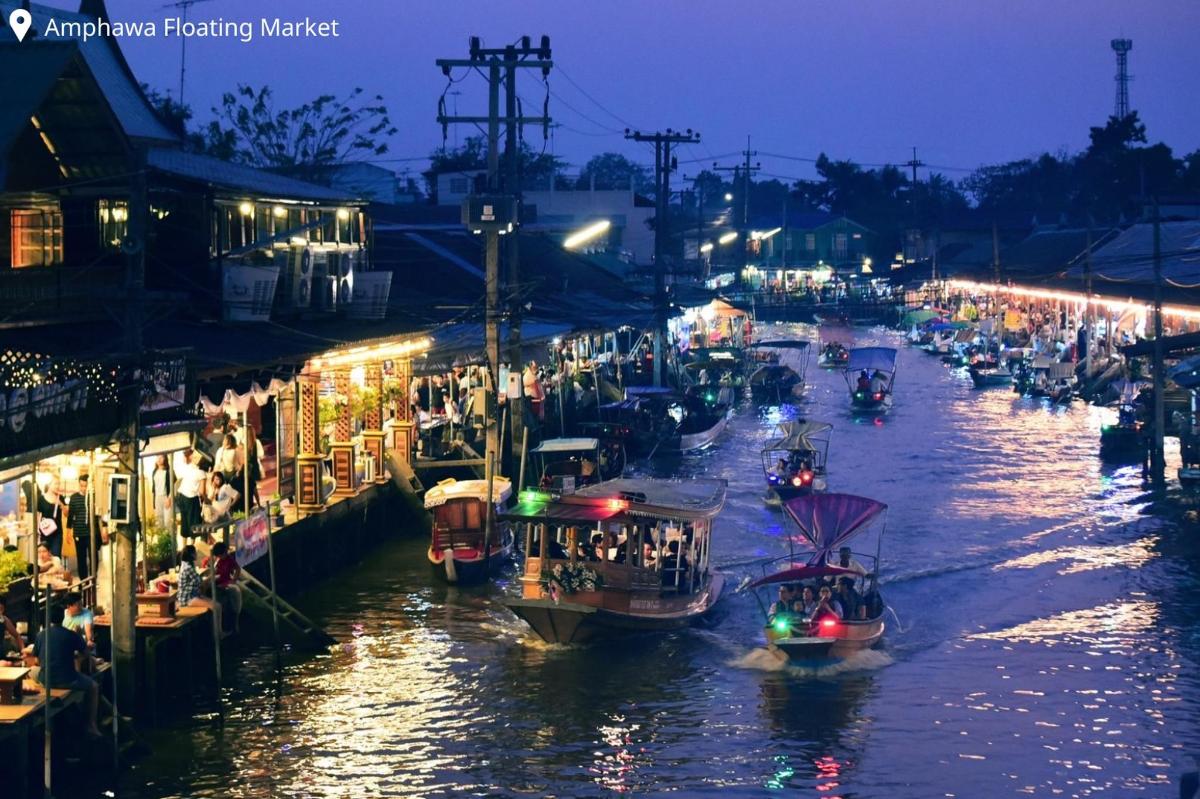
(703, 438)
(468, 567)
(1121, 444)
(990, 379)
(566, 622)
(869, 404)
(849, 637)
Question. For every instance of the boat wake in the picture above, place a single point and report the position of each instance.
(764, 659)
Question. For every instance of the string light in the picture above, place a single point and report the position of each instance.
(1119, 306)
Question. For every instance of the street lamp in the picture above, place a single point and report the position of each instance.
(728, 237)
(728, 197)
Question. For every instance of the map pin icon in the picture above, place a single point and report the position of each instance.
(20, 21)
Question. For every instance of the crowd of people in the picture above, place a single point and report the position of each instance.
(833, 597)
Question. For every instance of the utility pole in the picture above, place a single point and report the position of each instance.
(995, 252)
(1089, 317)
(512, 154)
(496, 214)
(914, 163)
(124, 542)
(745, 170)
(1157, 464)
(663, 164)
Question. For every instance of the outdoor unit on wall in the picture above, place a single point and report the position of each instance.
(322, 291)
(301, 274)
(347, 263)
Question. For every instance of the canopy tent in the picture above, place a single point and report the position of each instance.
(872, 358)
(920, 317)
(566, 445)
(797, 572)
(826, 520)
(724, 310)
(799, 435)
(233, 403)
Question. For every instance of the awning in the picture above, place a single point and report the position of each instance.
(536, 511)
(872, 358)
(797, 572)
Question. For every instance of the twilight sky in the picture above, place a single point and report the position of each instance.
(966, 81)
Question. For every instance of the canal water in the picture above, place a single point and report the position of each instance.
(1045, 643)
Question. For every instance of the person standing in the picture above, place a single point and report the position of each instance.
(189, 478)
(79, 520)
(160, 487)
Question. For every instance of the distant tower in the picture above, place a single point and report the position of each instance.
(1122, 47)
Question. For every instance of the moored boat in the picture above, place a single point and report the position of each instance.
(852, 618)
(623, 556)
(778, 369)
(457, 549)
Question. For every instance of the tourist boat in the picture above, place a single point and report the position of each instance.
(878, 364)
(990, 373)
(566, 463)
(826, 522)
(1043, 377)
(778, 369)
(457, 548)
(794, 461)
(833, 356)
(619, 557)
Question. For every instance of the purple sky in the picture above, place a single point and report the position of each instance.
(966, 81)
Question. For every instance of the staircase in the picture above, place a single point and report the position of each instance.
(254, 590)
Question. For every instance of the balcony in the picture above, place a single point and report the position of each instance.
(44, 294)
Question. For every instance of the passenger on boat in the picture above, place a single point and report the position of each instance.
(674, 564)
(878, 381)
(806, 605)
(846, 560)
(783, 605)
(864, 382)
(827, 605)
(851, 602)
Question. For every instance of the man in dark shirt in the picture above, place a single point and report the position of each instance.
(848, 598)
(56, 648)
(77, 519)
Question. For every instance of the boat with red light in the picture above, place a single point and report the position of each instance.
(458, 549)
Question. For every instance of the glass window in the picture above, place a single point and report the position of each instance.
(810, 241)
(839, 245)
(37, 237)
(114, 222)
(458, 185)
(264, 227)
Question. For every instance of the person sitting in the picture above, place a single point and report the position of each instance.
(58, 652)
(217, 506)
(77, 618)
(229, 593)
(806, 605)
(878, 382)
(864, 382)
(848, 598)
(846, 561)
(10, 639)
(50, 568)
(781, 606)
(190, 583)
(827, 606)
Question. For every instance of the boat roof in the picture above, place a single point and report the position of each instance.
(566, 445)
(826, 520)
(625, 497)
(450, 489)
(799, 435)
(796, 572)
(648, 391)
(869, 358)
(783, 344)
(1186, 373)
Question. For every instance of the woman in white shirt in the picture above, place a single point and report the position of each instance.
(228, 460)
(223, 495)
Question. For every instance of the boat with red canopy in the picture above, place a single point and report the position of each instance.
(852, 618)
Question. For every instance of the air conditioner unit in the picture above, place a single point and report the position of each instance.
(347, 263)
(301, 277)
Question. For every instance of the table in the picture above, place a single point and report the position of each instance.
(156, 631)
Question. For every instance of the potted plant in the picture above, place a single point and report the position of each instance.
(14, 576)
(276, 510)
(159, 549)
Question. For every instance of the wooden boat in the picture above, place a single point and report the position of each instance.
(826, 522)
(870, 376)
(988, 374)
(566, 462)
(794, 461)
(649, 569)
(459, 509)
(663, 420)
(778, 369)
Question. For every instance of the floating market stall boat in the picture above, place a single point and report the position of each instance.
(778, 369)
(619, 557)
(794, 462)
(457, 550)
(833, 356)
(870, 375)
(572, 462)
(826, 522)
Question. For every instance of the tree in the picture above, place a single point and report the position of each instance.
(534, 168)
(614, 171)
(322, 132)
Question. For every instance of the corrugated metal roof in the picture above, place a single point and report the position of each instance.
(1129, 256)
(106, 64)
(216, 172)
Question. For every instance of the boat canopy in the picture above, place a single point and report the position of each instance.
(942, 326)
(1127, 390)
(566, 445)
(965, 336)
(799, 435)
(798, 571)
(920, 317)
(450, 489)
(827, 520)
(1187, 373)
(872, 358)
(782, 344)
(624, 497)
(1061, 371)
(649, 391)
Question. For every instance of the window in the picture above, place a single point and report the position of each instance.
(810, 242)
(114, 222)
(37, 237)
(839, 245)
(458, 185)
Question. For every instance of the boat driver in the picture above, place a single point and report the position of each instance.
(864, 382)
(878, 381)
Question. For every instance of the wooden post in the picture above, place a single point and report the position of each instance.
(309, 465)
(341, 447)
(373, 443)
(402, 421)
